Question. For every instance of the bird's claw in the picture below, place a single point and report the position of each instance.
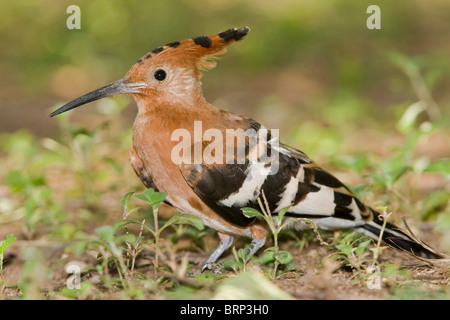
(211, 266)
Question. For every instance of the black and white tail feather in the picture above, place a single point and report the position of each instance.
(397, 238)
(290, 177)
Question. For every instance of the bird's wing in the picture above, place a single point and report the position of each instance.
(140, 171)
(286, 176)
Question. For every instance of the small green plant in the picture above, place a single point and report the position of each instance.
(275, 223)
(384, 216)
(110, 249)
(113, 246)
(155, 199)
(134, 244)
(238, 263)
(352, 249)
(34, 275)
(5, 244)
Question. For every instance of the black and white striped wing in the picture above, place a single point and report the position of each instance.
(288, 177)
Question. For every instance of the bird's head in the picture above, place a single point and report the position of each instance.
(168, 73)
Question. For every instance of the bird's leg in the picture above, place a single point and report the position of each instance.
(225, 242)
(259, 233)
(255, 245)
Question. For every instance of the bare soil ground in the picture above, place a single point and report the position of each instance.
(317, 275)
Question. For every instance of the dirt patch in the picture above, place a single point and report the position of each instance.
(317, 275)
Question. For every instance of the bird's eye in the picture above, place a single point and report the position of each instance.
(160, 75)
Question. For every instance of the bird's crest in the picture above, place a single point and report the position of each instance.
(202, 50)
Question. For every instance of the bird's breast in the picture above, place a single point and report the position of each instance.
(152, 148)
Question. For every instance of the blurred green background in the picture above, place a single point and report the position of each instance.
(303, 60)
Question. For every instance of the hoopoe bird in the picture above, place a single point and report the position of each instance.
(165, 83)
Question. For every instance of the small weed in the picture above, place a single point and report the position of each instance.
(5, 244)
(385, 216)
(34, 275)
(119, 247)
(353, 249)
(275, 223)
(155, 199)
(238, 263)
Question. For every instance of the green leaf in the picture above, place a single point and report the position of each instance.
(251, 213)
(241, 254)
(346, 249)
(139, 276)
(184, 218)
(105, 232)
(409, 117)
(440, 166)
(10, 238)
(231, 264)
(350, 237)
(283, 257)
(362, 247)
(291, 266)
(281, 213)
(382, 208)
(152, 197)
(16, 180)
(126, 198)
(125, 223)
(434, 202)
(268, 257)
(129, 238)
(397, 173)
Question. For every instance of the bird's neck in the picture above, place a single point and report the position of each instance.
(160, 119)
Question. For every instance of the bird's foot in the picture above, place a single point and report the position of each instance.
(213, 267)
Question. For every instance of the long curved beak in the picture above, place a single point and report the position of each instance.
(121, 86)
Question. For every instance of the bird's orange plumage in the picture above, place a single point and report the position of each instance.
(162, 110)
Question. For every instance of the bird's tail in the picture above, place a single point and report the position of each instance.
(398, 239)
